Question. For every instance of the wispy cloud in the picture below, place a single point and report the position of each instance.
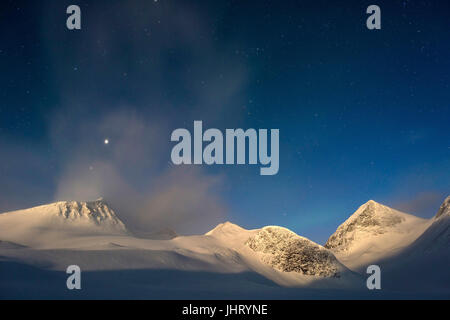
(133, 174)
(423, 204)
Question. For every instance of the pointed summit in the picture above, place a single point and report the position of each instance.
(372, 219)
(225, 228)
(373, 214)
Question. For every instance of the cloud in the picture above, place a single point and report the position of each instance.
(133, 174)
(185, 199)
(424, 204)
(134, 73)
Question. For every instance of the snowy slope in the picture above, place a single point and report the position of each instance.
(45, 224)
(372, 233)
(425, 263)
(436, 238)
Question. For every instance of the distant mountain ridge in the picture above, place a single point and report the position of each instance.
(373, 233)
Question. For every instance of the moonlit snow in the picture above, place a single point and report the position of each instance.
(37, 245)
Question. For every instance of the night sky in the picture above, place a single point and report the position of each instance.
(363, 114)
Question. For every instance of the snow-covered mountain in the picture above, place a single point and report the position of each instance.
(91, 235)
(284, 257)
(58, 221)
(372, 233)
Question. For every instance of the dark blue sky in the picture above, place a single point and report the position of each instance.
(362, 114)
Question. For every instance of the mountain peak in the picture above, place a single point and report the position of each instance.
(374, 213)
(226, 227)
(444, 209)
(370, 219)
(373, 204)
(370, 208)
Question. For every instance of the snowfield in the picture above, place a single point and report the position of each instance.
(227, 262)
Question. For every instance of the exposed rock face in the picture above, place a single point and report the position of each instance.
(286, 251)
(97, 212)
(444, 209)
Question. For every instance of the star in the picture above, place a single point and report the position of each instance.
(106, 141)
